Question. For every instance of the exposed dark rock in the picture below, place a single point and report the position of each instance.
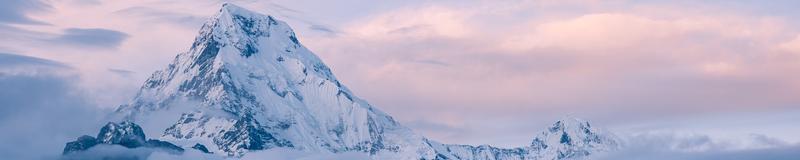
(248, 134)
(163, 145)
(201, 147)
(126, 134)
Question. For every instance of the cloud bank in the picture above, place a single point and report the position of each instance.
(119, 152)
(41, 108)
(699, 147)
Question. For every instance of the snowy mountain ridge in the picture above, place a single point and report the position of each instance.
(568, 138)
(259, 89)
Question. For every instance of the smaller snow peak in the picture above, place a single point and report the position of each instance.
(569, 123)
(117, 132)
(567, 131)
(570, 138)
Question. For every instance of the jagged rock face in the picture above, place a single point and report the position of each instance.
(248, 134)
(258, 88)
(126, 134)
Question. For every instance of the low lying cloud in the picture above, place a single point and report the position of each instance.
(287, 154)
(119, 152)
(41, 108)
(111, 152)
(699, 147)
(656, 146)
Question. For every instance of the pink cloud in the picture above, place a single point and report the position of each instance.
(651, 63)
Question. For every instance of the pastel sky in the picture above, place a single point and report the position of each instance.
(472, 72)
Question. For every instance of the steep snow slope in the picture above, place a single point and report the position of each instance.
(259, 88)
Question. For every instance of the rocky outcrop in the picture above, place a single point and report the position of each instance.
(126, 134)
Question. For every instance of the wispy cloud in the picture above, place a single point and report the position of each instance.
(42, 107)
(322, 28)
(121, 72)
(16, 11)
(8, 60)
(698, 147)
(433, 62)
(160, 16)
(90, 38)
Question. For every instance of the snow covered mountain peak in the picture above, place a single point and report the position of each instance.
(253, 86)
(236, 49)
(570, 124)
(244, 28)
(257, 88)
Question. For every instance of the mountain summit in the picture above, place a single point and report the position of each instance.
(256, 87)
